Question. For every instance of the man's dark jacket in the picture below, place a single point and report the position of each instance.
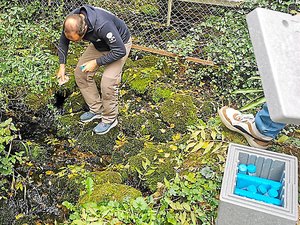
(106, 31)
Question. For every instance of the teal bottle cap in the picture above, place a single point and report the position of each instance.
(242, 168)
(82, 67)
(251, 168)
(273, 193)
(262, 189)
(252, 188)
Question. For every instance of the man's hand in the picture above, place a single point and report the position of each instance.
(62, 78)
(90, 66)
(61, 72)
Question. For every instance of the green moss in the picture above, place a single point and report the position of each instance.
(131, 125)
(114, 192)
(68, 126)
(157, 129)
(141, 78)
(148, 61)
(106, 177)
(180, 111)
(232, 136)
(35, 102)
(166, 170)
(145, 62)
(150, 10)
(152, 165)
(131, 147)
(146, 124)
(129, 64)
(160, 92)
(74, 103)
(98, 144)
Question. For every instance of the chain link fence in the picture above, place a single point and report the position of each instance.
(161, 24)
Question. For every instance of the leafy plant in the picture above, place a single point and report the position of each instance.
(258, 99)
(190, 199)
(7, 158)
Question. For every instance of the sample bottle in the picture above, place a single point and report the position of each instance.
(273, 193)
(251, 169)
(252, 188)
(242, 168)
(263, 189)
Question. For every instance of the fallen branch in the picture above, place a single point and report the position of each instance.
(174, 55)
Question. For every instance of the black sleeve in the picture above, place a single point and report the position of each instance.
(112, 38)
(63, 48)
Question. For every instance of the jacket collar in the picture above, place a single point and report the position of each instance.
(90, 16)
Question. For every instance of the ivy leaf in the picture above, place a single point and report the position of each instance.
(283, 139)
(208, 148)
(191, 178)
(89, 185)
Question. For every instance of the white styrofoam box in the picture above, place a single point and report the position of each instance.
(276, 40)
(236, 210)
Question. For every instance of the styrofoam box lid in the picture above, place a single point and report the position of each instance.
(276, 40)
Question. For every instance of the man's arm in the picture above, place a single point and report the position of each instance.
(62, 54)
(63, 48)
(112, 38)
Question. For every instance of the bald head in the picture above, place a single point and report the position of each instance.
(74, 25)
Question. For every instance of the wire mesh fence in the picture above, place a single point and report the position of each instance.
(176, 26)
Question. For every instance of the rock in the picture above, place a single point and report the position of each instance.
(180, 111)
(106, 177)
(110, 192)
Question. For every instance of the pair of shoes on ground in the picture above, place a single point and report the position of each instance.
(101, 128)
(245, 125)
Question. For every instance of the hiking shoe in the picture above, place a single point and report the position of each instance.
(103, 128)
(89, 116)
(244, 124)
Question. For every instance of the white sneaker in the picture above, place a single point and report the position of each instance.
(244, 124)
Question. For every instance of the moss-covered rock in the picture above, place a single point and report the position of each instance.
(132, 125)
(111, 192)
(152, 165)
(147, 61)
(106, 177)
(180, 111)
(98, 144)
(131, 147)
(69, 126)
(160, 92)
(157, 129)
(139, 79)
(146, 124)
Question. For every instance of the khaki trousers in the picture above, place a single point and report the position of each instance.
(105, 102)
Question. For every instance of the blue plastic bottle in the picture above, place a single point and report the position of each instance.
(242, 168)
(251, 170)
(252, 188)
(273, 193)
(263, 189)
